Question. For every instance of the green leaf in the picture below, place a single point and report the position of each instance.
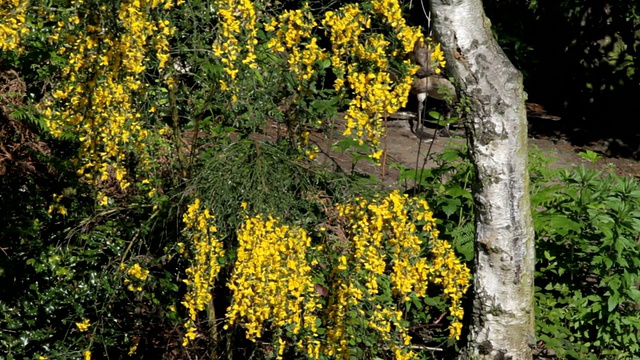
(451, 206)
(590, 155)
(457, 191)
(416, 303)
(325, 63)
(612, 303)
(563, 225)
(431, 301)
(634, 294)
(436, 115)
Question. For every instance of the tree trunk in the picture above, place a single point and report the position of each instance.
(502, 321)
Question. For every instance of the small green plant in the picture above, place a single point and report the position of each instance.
(590, 155)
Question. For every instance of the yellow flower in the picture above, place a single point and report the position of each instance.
(97, 96)
(136, 271)
(84, 325)
(204, 266)
(272, 279)
(133, 348)
(361, 61)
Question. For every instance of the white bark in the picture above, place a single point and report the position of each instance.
(502, 322)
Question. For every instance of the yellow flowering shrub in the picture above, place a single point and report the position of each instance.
(384, 255)
(361, 56)
(235, 46)
(13, 23)
(97, 100)
(381, 261)
(362, 64)
(272, 285)
(387, 251)
(385, 232)
(206, 250)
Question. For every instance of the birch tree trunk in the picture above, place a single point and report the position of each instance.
(502, 321)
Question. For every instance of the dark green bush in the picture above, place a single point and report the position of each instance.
(588, 247)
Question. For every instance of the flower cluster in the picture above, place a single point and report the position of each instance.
(453, 275)
(311, 151)
(136, 275)
(383, 239)
(294, 37)
(97, 99)
(238, 39)
(346, 295)
(12, 23)
(392, 14)
(437, 58)
(291, 35)
(206, 249)
(385, 244)
(361, 59)
(272, 286)
(57, 206)
(84, 325)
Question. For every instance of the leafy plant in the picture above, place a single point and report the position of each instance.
(447, 189)
(590, 155)
(587, 284)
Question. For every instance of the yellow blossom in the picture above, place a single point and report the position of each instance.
(84, 325)
(204, 266)
(361, 63)
(272, 279)
(97, 96)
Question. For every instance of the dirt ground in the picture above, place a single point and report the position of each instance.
(402, 146)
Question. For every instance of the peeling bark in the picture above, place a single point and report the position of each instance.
(502, 321)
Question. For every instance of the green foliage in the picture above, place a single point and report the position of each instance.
(59, 270)
(29, 115)
(540, 169)
(268, 178)
(590, 155)
(447, 189)
(587, 294)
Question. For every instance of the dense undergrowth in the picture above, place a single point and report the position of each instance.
(143, 216)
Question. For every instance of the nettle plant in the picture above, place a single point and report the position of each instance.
(588, 278)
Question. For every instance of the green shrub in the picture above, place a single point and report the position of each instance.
(447, 188)
(588, 229)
